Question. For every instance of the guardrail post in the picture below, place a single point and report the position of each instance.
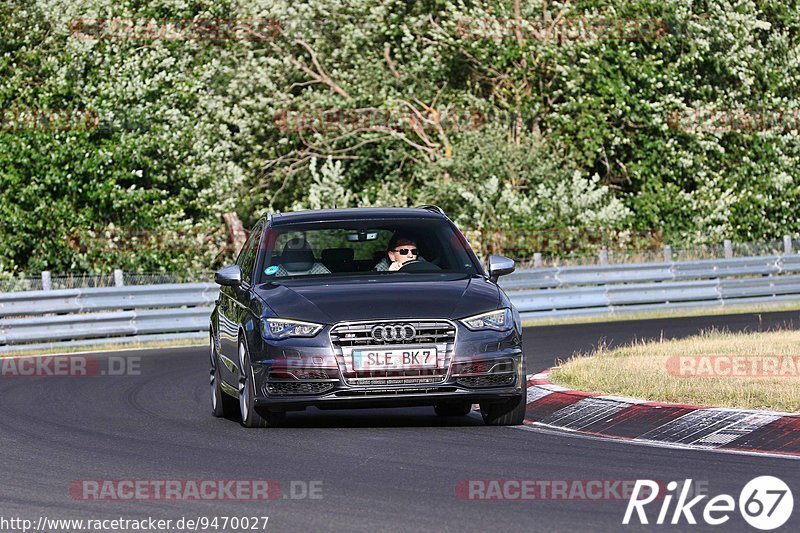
(728, 246)
(603, 256)
(787, 244)
(47, 281)
(537, 260)
(667, 253)
(119, 279)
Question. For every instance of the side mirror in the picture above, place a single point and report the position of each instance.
(230, 276)
(500, 266)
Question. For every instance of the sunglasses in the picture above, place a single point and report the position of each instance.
(406, 251)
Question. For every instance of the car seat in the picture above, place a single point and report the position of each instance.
(338, 259)
(298, 259)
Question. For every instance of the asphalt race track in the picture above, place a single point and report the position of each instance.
(389, 470)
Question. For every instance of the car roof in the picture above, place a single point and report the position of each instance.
(360, 213)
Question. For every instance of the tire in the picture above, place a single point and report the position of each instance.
(453, 408)
(509, 413)
(222, 405)
(250, 417)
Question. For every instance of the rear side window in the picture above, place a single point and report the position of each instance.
(249, 253)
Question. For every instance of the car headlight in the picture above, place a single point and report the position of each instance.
(500, 320)
(280, 328)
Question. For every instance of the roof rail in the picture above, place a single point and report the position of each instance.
(434, 208)
(267, 216)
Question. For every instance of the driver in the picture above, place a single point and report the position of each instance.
(401, 251)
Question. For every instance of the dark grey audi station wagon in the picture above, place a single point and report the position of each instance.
(355, 308)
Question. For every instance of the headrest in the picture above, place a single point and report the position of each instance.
(298, 260)
(337, 255)
(297, 255)
(298, 243)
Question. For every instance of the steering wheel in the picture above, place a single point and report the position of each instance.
(418, 265)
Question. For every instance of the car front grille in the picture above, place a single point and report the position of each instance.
(439, 333)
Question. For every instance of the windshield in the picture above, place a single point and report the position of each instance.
(346, 248)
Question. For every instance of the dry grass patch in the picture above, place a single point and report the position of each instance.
(741, 370)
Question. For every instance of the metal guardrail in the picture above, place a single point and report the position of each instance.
(84, 316)
(100, 299)
(113, 313)
(609, 289)
(628, 273)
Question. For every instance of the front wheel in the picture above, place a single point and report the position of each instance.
(509, 413)
(250, 417)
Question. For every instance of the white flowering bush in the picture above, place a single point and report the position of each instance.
(514, 130)
(173, 124)
(580, 201)
(508, 193)
(328, 189)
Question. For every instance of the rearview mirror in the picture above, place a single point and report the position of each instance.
(229, 276)
(362, 235)
(500, 266)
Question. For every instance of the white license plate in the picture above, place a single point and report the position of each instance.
(406, 358)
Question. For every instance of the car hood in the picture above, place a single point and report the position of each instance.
(369, 298)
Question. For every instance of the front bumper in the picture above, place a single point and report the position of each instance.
(378, 400)
(476, 367)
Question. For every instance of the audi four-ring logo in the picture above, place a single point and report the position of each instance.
(395, 332)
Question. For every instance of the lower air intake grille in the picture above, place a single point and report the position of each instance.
(293, 387)
(487, 381)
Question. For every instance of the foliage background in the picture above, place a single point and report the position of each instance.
(438, 101)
